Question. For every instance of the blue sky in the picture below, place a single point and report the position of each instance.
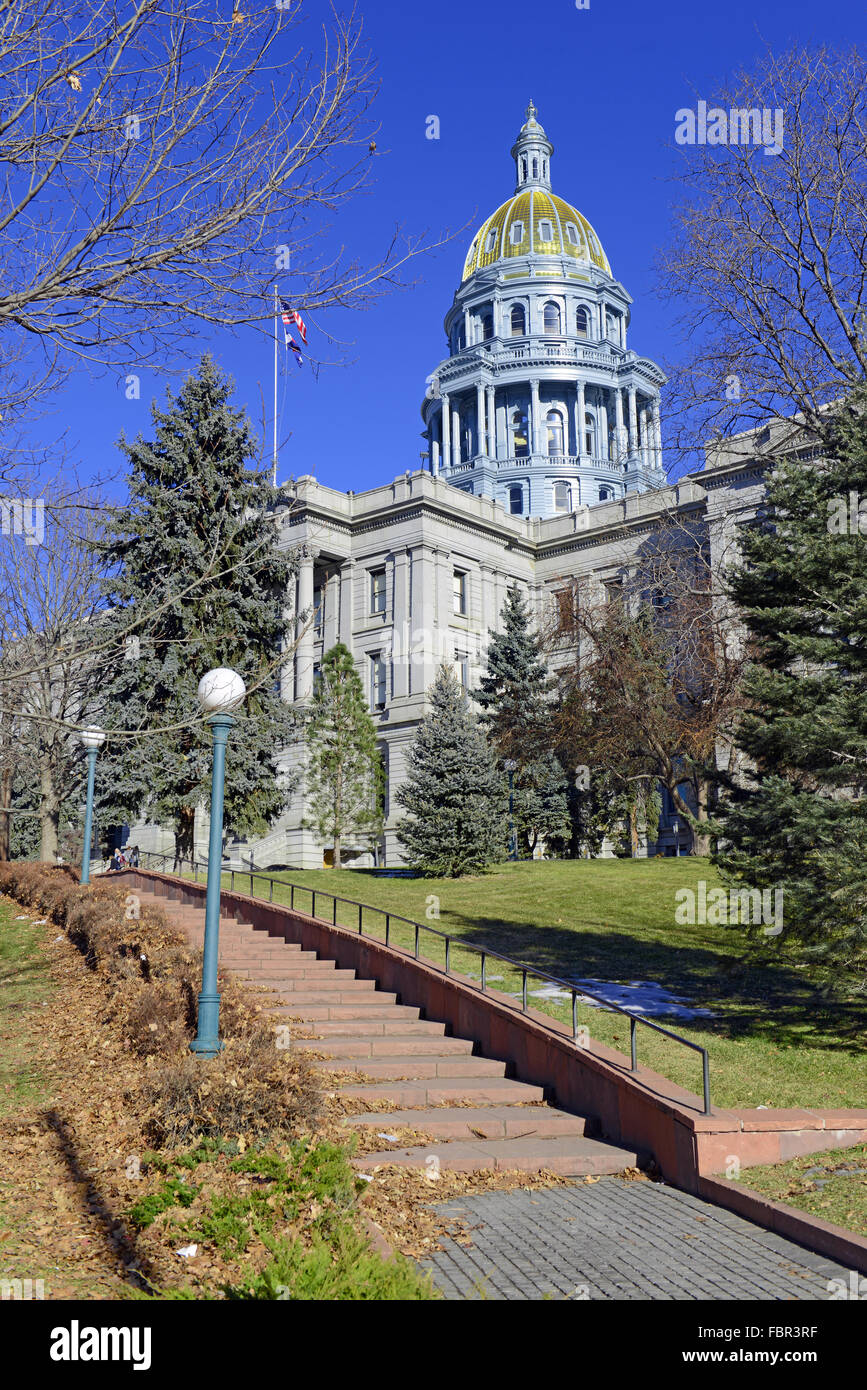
(607, 82)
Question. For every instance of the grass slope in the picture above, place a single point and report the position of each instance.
(775, 1040)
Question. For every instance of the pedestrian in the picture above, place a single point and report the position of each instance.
(133, 857)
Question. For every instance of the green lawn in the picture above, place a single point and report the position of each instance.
(774, 1040)
(24, 984)
(831, 1192)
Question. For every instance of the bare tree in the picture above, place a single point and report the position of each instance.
(162, 163)
(653, 688)
(768, 263)
(50, 602)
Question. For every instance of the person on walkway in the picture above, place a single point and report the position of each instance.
(133, 857)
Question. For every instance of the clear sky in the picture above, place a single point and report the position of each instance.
(606, 81)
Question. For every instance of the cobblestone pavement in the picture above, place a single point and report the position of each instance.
(620, 1240)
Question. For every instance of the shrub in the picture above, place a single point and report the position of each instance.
(252, 1090)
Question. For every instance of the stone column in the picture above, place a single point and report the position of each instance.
(422, 620)
(480, 419)
(657, 435)
(633, 423)
(602, 320)
(347, 575)
(400, 633)
(604, 446)
(456, 436)
(618, 423)
(535, 423)
(645, 436)
(330, 611)
(304, 628)
(579, 419)
(468, 328)
(435, 456)
(492, 422)
(445, 422)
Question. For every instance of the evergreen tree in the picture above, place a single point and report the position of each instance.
(515, 696)
(344, 777)
(454, 791)
(799, 822)
(197, 581)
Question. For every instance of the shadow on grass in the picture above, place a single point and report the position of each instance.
(118, 1240)
(751, 998)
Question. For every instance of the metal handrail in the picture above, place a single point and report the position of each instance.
(485, 952)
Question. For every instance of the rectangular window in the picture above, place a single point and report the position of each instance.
(377, 591)
(377, 680)
(462, 669)
(517, 233)
(459, 592)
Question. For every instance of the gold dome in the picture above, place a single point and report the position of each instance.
(527, 212)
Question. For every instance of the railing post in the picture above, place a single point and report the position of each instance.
(232, 871)
(633, 1043)
(270, 890)
(360, 911)
(524, 991)
(448, 954)
(484, 966)
(416, 939)
(251, 884)
(574, 1015)
(313, 902)
(387, 926)
(291, 895)
(334, 917)
(705, 1080)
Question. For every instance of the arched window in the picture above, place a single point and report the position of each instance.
(606, 494)
(487, 326)
(523, 168)
(562, 497)
(516, 500)
(581, 322)
(554, 422)
(551, 317)
(517, 321)
(589, 434)
(535, 168)
(518, 432)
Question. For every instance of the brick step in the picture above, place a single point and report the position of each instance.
(267, 965)
(489, 1122)
(415, 1068)
(319, 983)
(297, 1000)
(366, 1010)
(572, 1156)
(400, 1046)
(490, 1090)
(386, 1027)
(314, 969)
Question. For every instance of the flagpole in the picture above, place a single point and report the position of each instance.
(275, 385)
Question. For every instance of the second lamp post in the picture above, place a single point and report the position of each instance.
(219, 691)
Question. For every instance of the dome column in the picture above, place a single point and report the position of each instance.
(633, 423)
(456, 436)
(445, 422)
(579, 418)
(480, 419)
(604, 444)
(618, 423)
(492, 423)
(535, 423)
(657, 434)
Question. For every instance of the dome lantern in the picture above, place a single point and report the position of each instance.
(532, 153)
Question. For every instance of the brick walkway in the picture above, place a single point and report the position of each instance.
(620, 1240)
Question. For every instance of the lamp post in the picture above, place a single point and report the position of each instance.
(93, 738)
(219, 691)
(510, 765)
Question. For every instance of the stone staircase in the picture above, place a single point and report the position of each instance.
(475, 1115)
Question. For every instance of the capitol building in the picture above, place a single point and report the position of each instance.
(544, 466)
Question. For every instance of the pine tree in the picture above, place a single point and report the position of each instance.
(344, 776)
(454, 791)
(196, 566)
(515, 696)
(799, 823)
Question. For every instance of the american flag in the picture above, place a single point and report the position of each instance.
(291, 316)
